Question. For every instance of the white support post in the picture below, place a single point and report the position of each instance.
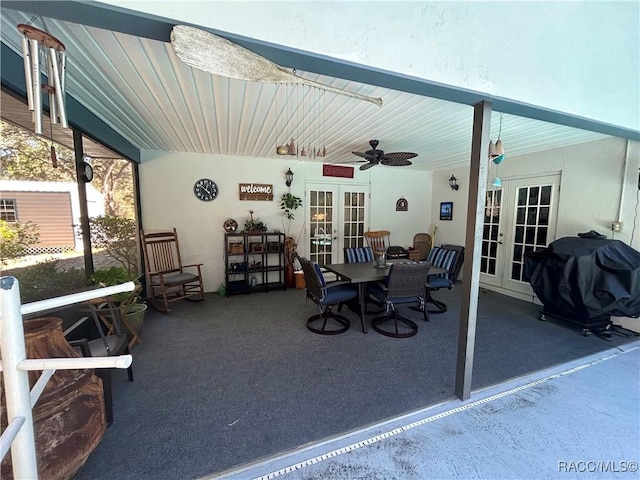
(14, 366)
(16, 381)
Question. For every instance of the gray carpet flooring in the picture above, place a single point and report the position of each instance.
(231, 380)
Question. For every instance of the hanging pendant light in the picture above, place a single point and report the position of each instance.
(497, 182)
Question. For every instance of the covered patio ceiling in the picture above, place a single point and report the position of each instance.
(140, 89)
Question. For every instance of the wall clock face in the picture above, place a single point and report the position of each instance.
(205, 189)
(86, 172)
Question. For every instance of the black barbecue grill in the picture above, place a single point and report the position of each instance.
(586, 280)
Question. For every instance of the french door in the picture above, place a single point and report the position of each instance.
(519, 218)
(337, 218)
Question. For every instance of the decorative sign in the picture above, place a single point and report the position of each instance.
(256, 191)
(402, 205)
(337, 171)
(446, 211)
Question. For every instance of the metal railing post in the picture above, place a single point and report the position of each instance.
(16, 381)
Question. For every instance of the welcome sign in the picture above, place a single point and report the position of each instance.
(256, 191)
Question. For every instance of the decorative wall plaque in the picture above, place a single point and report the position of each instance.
(402, 205)
(256, 191)
(337, 171)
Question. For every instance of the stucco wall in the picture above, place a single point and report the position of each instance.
(166, 182)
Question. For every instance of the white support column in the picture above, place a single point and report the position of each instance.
(16, 381)
(473, 244)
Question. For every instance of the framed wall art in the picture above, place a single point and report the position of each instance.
(446, 211)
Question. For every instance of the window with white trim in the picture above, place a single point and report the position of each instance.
(8, 211)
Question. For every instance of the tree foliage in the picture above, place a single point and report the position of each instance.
(26, 156)
(16, 238)
(117, 235)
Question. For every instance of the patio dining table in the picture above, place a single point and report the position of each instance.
(363, 273)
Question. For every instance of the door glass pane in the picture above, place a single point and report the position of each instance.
(516, 270)
(542, 237)
(533, 195)
(517, 253)
(522, 196)
(530, 235)
(492, 266)
(545, 195)
(519, 234)
(483, 264)
(532, 216)
(543, 219)
(485, 248)
(494, 232)
(520, 215)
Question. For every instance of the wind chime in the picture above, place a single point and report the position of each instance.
(42, 48)
(496, 154)
(301, 109)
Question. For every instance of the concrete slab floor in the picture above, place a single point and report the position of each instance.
(578, 420)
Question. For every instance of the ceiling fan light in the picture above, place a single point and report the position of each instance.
(499, 147)
(498, 160)
(497, 182)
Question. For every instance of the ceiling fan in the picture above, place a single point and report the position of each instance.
(374, 157)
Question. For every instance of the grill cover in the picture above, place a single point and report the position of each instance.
(586, 277)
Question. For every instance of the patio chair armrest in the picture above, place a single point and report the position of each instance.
(75, 325)
(197, 265)
(83, 344)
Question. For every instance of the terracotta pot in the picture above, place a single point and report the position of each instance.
(69, 417)
(289, 276)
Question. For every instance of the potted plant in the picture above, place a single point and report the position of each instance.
(131, 307)
(254, 226)
(289, 203)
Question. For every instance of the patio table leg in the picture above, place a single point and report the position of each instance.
(361, 287)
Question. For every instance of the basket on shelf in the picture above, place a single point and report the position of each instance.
(236, 249)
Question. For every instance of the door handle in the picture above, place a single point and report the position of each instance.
(500, 242)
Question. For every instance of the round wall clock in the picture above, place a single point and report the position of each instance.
(86, 172)
(205, 189)
(230, 225)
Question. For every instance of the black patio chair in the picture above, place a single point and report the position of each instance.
(449, 258)
(325, 297)
(404, 286)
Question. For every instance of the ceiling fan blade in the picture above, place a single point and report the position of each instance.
(395, 163)
(351, 161)
(367, 166)
(399, 156)
(365, 155)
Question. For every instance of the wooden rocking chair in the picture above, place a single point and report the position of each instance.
(167, 280)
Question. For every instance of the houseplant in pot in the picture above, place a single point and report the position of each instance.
(132, 309)
(289, 203)
(254, 226)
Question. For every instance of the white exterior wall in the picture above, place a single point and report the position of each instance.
(581, 58)
(166, 190)
(590, 194)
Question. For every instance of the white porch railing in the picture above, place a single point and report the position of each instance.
(19, 434)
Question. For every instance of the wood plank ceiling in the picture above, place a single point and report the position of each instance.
(144, 92)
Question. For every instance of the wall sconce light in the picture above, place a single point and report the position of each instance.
(289, 177)
(453, 183)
